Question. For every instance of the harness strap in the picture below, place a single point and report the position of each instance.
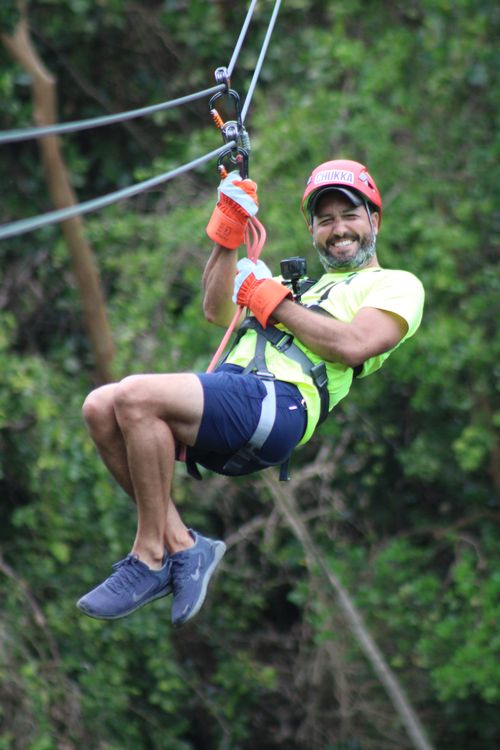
(264, 426)
(284, 343)
(257, 365)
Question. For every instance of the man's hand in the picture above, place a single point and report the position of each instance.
(245, 267)
(237, 202)
(255, 288)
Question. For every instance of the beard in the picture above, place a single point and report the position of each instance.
(365, 252)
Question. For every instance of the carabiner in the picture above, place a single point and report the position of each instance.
(231, 130)
(238, 156)
(231, 93)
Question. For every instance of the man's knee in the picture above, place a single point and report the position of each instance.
(97, 408)
(131, 400)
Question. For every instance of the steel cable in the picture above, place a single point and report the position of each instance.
(53, 217)
(24, 134)
(260, 61)
(237, 47)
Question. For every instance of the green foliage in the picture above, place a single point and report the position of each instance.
(409, 518)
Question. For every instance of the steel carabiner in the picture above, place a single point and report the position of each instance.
(238, 156)
(231, 130)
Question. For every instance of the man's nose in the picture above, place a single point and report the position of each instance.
(338, 227)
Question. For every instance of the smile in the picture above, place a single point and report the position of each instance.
(343, 243)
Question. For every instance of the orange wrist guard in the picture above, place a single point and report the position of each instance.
(228, 223)
(262, 296)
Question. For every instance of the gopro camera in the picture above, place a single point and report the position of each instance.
(293, 269)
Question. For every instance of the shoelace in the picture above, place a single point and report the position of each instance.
(127, 571)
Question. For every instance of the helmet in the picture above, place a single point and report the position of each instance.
(351, 178)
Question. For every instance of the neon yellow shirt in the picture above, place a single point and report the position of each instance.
(345, 294)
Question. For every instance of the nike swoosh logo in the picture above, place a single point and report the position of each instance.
(138, 597)
(196, 575)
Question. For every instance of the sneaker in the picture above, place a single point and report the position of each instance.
(191, 571)
(132, 585)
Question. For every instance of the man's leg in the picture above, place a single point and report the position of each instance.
(100, 418)
(153, 412)
(99, 415)
(135, 424)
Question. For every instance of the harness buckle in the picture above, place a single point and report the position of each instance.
(284, 342)
(264, 374)
(319, 376)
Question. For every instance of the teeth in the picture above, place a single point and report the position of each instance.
(343, 243)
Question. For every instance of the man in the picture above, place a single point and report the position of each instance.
(291, 365)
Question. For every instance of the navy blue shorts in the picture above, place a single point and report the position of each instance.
(231, 411)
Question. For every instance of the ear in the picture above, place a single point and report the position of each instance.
(376, 221)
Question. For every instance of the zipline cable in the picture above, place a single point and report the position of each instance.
(237, 47)
(52, 217)
(24, 134)
(23, 226)
(260, 61)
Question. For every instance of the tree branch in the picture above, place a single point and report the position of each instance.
(285, 502)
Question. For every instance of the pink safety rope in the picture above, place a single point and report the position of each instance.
(255, 238)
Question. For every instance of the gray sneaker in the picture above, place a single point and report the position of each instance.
(130, 586)
(191, 572)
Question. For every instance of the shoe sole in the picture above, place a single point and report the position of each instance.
(96, 616)
(219, 551)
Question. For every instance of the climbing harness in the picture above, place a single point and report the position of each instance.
(293, 271)
(283, 342)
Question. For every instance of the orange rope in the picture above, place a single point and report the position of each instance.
(255, 238)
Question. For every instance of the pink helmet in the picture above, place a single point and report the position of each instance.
(349, 177)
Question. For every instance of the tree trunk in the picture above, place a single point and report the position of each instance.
(21, 49)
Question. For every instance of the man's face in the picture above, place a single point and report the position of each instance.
(342, 234)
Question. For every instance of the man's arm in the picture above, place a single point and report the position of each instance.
(372, 331)
(237, 202)
(217, 284)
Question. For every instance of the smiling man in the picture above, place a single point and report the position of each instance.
(295, 357)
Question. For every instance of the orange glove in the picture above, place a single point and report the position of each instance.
(237, 202)
(262, 296)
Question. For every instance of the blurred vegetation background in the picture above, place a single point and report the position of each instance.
(399, 488)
